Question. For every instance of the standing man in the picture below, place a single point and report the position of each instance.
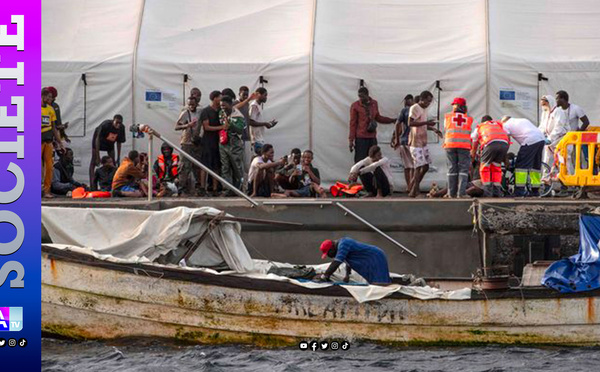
(491, 138)
(104, 138)
(457, 143)
(572, 112)
(364, 116)
(529, 157)
(188, 121)
(367, 260)
(196, 93)
(417, 140)
(400, 142)
(231, 146)
(209, 117)
(62, 127)
(257, 126)
(50, 138)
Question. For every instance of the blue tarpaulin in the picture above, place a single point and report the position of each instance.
(580, 272)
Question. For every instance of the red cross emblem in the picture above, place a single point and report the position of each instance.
(459, 120)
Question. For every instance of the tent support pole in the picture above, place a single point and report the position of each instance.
(487, 57)
(204, 167)
(311, 77)
(134, 67)
(404, 249)
(150, 168)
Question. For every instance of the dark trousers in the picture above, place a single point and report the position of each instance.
(376, 181)
(459, 161)
(361, 148)
(529, 165)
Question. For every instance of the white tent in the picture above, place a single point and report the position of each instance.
(95, 39)
(313, 53)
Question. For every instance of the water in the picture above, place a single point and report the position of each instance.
(153, 356)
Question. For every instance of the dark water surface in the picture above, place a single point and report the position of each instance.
(151, 356)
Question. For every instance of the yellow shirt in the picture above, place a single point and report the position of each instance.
(48, 119)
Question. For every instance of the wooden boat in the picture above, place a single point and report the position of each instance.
(84, 297)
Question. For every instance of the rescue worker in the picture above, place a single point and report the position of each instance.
(457, 143)
(529, 157)
(231, 145)
(367, 260)
(165, 166)
(492, 140)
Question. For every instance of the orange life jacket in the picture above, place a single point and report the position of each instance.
(491, 131)
(458, 131)
(162, 167)
(80, 193)
(341, 189)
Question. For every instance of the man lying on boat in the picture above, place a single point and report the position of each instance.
(367, 260)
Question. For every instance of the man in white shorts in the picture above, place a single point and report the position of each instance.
(417, 140)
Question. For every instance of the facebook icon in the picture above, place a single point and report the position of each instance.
(11, 318)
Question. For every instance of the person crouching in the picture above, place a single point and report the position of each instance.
(375, 173)
(367, 260)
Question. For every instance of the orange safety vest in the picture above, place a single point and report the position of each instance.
(162, 167)
(458, 131)
(491, 131)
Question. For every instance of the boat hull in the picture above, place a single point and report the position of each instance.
(99, 300)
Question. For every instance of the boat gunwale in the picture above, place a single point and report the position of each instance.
(265, 285)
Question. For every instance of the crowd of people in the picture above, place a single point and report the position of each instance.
(229, 137)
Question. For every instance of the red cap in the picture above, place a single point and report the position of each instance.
(325, 247)
(53, 91)
(459, 101)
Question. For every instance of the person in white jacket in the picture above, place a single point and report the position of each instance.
(375, 173)
(547, 124)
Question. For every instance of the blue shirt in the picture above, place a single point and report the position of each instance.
(367, 260)
(403, 118)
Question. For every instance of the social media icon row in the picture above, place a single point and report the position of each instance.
(13, 342)
(324, 345)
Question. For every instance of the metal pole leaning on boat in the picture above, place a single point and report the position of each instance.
(146, 128)
(375, 228)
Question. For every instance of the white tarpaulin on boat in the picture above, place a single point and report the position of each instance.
(142, 236)
(358, 287)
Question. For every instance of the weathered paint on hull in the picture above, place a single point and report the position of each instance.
(82, 301)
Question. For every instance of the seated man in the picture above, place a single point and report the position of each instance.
(282, 174)
(165, 166)
(261, 178)
(375, 173)
(104, 174)
(62, 179)
(367, 260)
(165, 169)
(308, 177)
(128, 178)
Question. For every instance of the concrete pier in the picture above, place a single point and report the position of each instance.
(441, 232)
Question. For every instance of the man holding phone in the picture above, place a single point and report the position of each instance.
(417, 140)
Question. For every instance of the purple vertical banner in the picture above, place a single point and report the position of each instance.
(20, 179)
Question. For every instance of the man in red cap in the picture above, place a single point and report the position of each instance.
(60, 126)
(457, 143)
(367, 260)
